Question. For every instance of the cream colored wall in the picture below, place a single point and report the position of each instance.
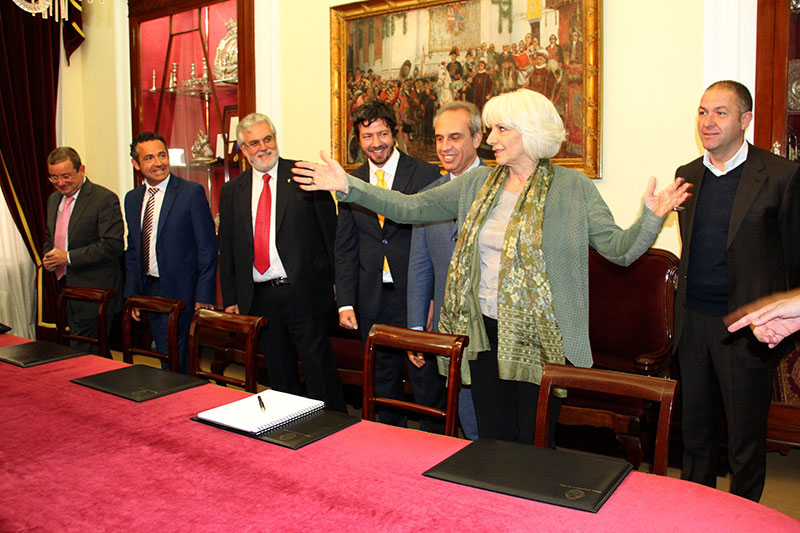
(95, 116)
(657, 58)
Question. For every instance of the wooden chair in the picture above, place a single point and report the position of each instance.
(101, 297)
(206, 329)
(630, 330)
(617, 383)
(406, 340)
(153, 304)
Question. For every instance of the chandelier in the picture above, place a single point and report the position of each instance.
(58, 9)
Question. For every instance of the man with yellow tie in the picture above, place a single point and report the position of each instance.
(372, 252)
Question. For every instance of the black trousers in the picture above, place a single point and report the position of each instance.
(716, 383)
(159, 323)
(389, 365)
(506, 410)
(291, 334)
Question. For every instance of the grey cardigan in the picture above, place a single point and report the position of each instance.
(575, 216)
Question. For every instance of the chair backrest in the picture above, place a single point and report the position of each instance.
(609, 382)
(207, 321)
(631, 312)
(153, 304)
(100, 297)
(425, 342)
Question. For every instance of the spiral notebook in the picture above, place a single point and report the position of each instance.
(247, 415)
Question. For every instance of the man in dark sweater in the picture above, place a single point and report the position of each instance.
(740, 232)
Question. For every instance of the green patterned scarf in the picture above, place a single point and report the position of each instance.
(528, 333)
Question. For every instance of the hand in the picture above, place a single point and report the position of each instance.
(668, 199)
(416, 359)
(347, 319)
(320, 177)
(55, 258)
(135, 314)
(232, 309)
(773, 319)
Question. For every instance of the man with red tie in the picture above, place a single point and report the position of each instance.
(83, 239)
(276, 261)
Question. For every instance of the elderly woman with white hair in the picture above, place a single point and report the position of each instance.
(518, 278)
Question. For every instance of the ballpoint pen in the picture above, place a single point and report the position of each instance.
(261, 403)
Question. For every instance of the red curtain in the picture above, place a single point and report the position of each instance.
(29, 56)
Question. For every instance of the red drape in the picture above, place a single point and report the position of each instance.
(29, 56)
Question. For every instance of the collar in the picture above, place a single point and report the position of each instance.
(162, 185)
(739, 158)
(273, 173)
(390, 167)
(474, 164)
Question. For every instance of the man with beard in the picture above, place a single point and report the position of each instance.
(276, 261)
(372, 252)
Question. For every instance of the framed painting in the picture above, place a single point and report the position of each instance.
(418, 55)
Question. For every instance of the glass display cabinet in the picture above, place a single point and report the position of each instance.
(192, 75)
(777, 128)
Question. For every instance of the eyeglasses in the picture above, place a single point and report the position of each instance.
(65, 177)
(256, 143)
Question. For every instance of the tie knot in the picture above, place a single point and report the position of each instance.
(265, 177)
(379, 174)
(153, 190)
(69, 199)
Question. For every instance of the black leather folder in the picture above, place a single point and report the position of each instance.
(300, 432)
(139, 382)
(37, 353)
(570, 479)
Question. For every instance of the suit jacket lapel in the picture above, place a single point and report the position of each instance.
(169, 199)
(242, 205)
(283, 191)
(402, 175)
(83, 200)
(686, 217)
(750, 184)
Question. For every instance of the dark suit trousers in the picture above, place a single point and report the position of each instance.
(158, 327)
(429, 389)
(291, 334)
(82, 320)
(714, 382)
(389, 365)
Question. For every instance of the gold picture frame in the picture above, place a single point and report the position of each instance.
(384, 48)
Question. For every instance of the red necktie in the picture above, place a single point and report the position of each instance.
(261, 231)
(62, 224)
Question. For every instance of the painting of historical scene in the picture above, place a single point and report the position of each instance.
(420, 59)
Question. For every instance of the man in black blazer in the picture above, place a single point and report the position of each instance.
(276, 261)
(372, 252)
(740, 234)
(181, 254)
(83, 239)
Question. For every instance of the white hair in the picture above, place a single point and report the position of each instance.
(533, 115)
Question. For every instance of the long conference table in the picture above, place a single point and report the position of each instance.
(76, 459)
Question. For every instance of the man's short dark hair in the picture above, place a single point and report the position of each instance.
(143, 138)
(366, 114)
(62, 153)
(744, 99)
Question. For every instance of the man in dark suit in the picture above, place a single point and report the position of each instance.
(371, 252)
(458, 133)
(172, 249)
(740, 234)
(276, 261)
(83, 240)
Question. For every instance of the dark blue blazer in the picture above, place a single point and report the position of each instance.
(186, 244)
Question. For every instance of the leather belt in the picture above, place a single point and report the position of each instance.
(273, 282)
(151, 279)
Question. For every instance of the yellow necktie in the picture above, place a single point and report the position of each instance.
(382, 184)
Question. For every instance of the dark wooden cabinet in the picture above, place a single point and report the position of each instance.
(777, 128)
